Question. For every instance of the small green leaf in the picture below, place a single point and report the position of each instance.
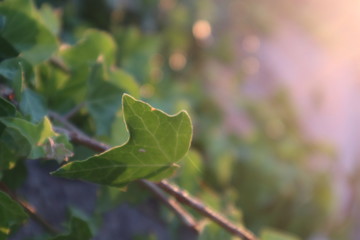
(32, 105)
(16, 71)
(11, 213)
(79, 230)
(125, 81)
(50, 19)
(6, 49)
(6, 108)
(103, 99)
(189, 176)
(93, 45)
(58, 151)
(157, 141)
(22, 28)
(7, 157)
(36, 135)
(13, 145)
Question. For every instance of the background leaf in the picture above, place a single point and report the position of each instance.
(16, 71)
(22, 28)
(89, 48)
(79, 230)
(32, 105)
(35, 134)
(103, 99)
(11, 213)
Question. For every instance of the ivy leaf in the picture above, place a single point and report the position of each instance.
(79, 230)
(16, 71)
(32, 105)
(13, 146)
(125, 81)
(50, 18)
(7, 50)
(58, 151)
(6, 157)
(11, 213)
(6, 108)
(157, 141)
(37, 135)
(103, 99)
(22, 28)
(81, 57)
(86, 52)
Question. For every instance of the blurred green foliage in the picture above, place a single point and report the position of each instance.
(101, 49)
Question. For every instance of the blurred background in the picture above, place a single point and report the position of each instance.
(272, 89)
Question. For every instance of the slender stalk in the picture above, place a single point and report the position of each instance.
(73, 111)
(77, 136)
(184, 197)
(30, 210)
(56, 62)
(185, 217)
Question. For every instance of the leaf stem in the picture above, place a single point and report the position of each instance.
(183, 197)
(56, 62)
(171, 203)
(73, 111)
(29, 210)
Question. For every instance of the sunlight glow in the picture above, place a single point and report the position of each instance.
(202, 29)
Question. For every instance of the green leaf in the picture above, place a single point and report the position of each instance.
(125, 81)
(16, 71)
(50, 19)
(32, 105)
(58, 150)
(37, 135)
(269, 234)
(13, 146)
(6, 49)
(22, 28)
(79, 230)
(93, 45)
(103, 99)
(189, 176)
(6, 108)
(11, 213)
(157, 141)
(7, 157)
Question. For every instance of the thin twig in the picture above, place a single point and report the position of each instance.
(194, 203)
(180, 195)
(56, 62)
(75, 134)
(186, 218)
(73, 111)
(29, 209)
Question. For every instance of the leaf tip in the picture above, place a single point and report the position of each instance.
(127, 99)
(57, 173)
(126, 96)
